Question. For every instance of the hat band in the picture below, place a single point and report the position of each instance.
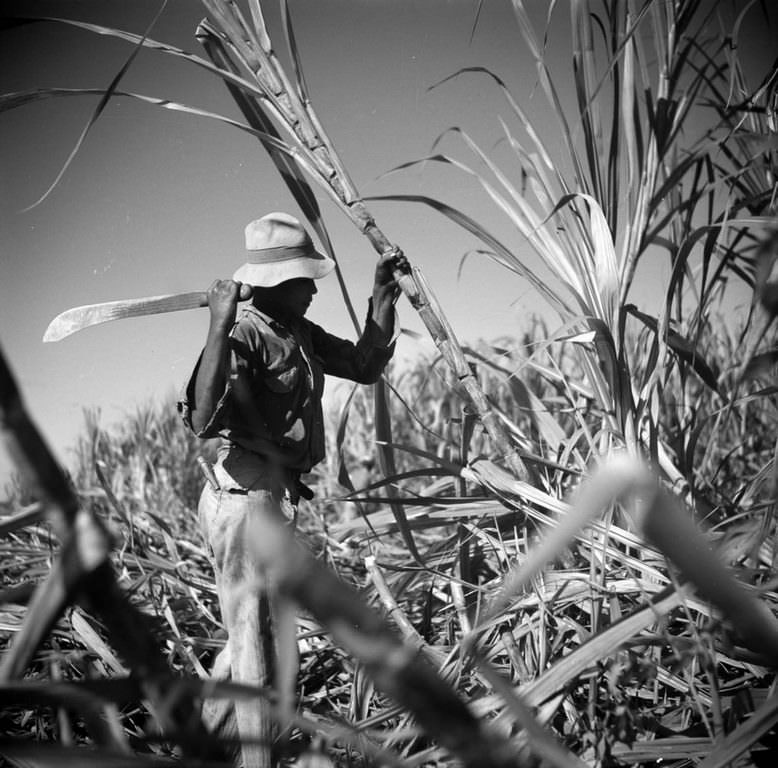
(282, 253)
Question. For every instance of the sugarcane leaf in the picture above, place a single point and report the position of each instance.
(51, 755)
(122, 690)
(761, 365)
(768, 391)
(601, 281)
(11, 22)
(584, 337)
(531, 226)
(625, 45)
(538, 164)
(682, 347)
(543, 744)
(598, 647)
(439, 461)
(383, 431)
(32, 514)
(428, 502)
(150, 43)
(104, 99)
(92, 640)
(502, 254)
(584, 74)
(610, 381)
(543, 423)
(77, 561)
(516, 108)
(590, 501)
(547, 84)
(343, 475)
(746, 734)
(13, 100)
(410, 474)
(560, 260)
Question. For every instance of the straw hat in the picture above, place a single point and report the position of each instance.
(280, 249)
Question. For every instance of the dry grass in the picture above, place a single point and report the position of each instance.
(609, 658)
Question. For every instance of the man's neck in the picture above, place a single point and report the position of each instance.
(275, 311)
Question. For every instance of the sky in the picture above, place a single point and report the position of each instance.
(156, 201)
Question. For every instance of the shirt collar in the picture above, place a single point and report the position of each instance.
(276, 325)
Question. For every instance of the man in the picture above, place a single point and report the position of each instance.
(258, 385)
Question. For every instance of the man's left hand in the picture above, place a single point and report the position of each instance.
(390, 262)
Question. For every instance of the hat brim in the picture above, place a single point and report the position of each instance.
(313, 265)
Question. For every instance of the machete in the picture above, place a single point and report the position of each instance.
(77, 318)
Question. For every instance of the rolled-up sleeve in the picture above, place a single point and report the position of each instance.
(239, 373)
(186, 401)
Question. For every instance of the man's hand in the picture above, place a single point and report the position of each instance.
(223, 298)
(390, 262)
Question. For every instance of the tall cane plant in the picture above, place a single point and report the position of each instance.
(667, 153)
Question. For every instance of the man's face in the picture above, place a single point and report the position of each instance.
(296, 295)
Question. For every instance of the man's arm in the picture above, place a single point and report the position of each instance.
(364, 361)
(211, 377)
(386, 290)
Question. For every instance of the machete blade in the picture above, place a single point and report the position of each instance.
(77, 318)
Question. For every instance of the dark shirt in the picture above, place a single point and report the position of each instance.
(272, 401)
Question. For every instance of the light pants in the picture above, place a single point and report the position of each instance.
(227, 516)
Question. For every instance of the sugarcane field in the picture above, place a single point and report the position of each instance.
(389, 383)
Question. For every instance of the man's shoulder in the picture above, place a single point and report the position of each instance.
(250, 331)
(250, 319)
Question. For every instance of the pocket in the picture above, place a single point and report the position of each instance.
(282, 379)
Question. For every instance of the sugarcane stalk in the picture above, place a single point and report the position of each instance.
(303, 111)
(436, 657)
(259, 58)
(253, 47)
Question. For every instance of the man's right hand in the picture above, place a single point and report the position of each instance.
(223, 298)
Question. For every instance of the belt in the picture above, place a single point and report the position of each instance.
(299, 486)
